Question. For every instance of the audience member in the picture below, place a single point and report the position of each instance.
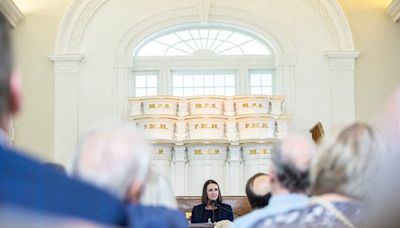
(338, 177)
(289, 178)
(26, 182)
(60, 168)
(383, 203)
(117, 159)
(258, 190)
(211, 208)
(158, 191)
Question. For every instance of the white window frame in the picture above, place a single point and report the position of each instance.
(241, 65)
(268, 71)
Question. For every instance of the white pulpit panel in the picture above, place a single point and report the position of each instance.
(256, 127)
(206, 162)
(256, 158)
(252, 105)
(206, 127)
(161, 159)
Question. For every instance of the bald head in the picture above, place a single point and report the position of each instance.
(258, 190)
(291, 162)
(114, 159)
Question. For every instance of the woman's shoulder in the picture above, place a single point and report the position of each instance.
(198, 207)
(226, 205)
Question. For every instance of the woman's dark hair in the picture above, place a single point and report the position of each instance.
(204, 198)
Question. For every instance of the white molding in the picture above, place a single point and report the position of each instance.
(175, 17)
(394, 10)
(11, 12)
(342, 60)
(342, 54)
(203, 8)
(335, 22)
(71, 57)
(80, 12)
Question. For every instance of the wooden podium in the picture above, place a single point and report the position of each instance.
(239, 204)
(201, 225)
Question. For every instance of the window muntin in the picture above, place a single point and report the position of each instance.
(196, 83)
(219, 41)
(261, 82)
(146, 84)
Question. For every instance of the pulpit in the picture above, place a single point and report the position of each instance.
(227, 139)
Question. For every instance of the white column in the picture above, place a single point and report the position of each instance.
(179, 176)
(123, 85)
(235, 175)
(66, 92)
(285, 83)
(342, 65)
(165, 79)
(242, 80)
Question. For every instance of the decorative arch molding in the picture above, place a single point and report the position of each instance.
(67, 57)
(229, 16)
(335, 22)
(80, 12)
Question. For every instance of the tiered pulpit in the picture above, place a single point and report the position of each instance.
(227, 139)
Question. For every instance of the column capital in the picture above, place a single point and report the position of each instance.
(342, 60)
(66, 63)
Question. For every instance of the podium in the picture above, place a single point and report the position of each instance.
(201, 225)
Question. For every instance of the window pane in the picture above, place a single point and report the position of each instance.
(266, 80)
(205, 83)
(208, 91)
(178, 92)
(151, 91)
(140, 92)
(198, 91)
(267, 90)
(178, 81)
(229, 80)
(140, 81)
(152, 81)
(229, 91)
(188, 91)
(188, 80)
(255, 80)
(208, 80)
(219, 40)
(256, 90)
(219, 91)
(198, 81)
(219, 80)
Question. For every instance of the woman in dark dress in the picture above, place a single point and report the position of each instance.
(211, 208)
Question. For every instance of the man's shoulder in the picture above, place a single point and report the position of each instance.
(27, 183)
(152, 216)
(248, 219)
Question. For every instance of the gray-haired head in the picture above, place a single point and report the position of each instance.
(346, 161)
(291, 162)
(158, 191)
(114, 159)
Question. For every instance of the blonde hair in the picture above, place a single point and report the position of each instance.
(345, 160)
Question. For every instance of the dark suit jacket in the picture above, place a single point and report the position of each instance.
(140, 216)
(200, 214)
(26, 183)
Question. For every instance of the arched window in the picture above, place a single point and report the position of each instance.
(203, 60)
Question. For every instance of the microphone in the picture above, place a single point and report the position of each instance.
(212, 203)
